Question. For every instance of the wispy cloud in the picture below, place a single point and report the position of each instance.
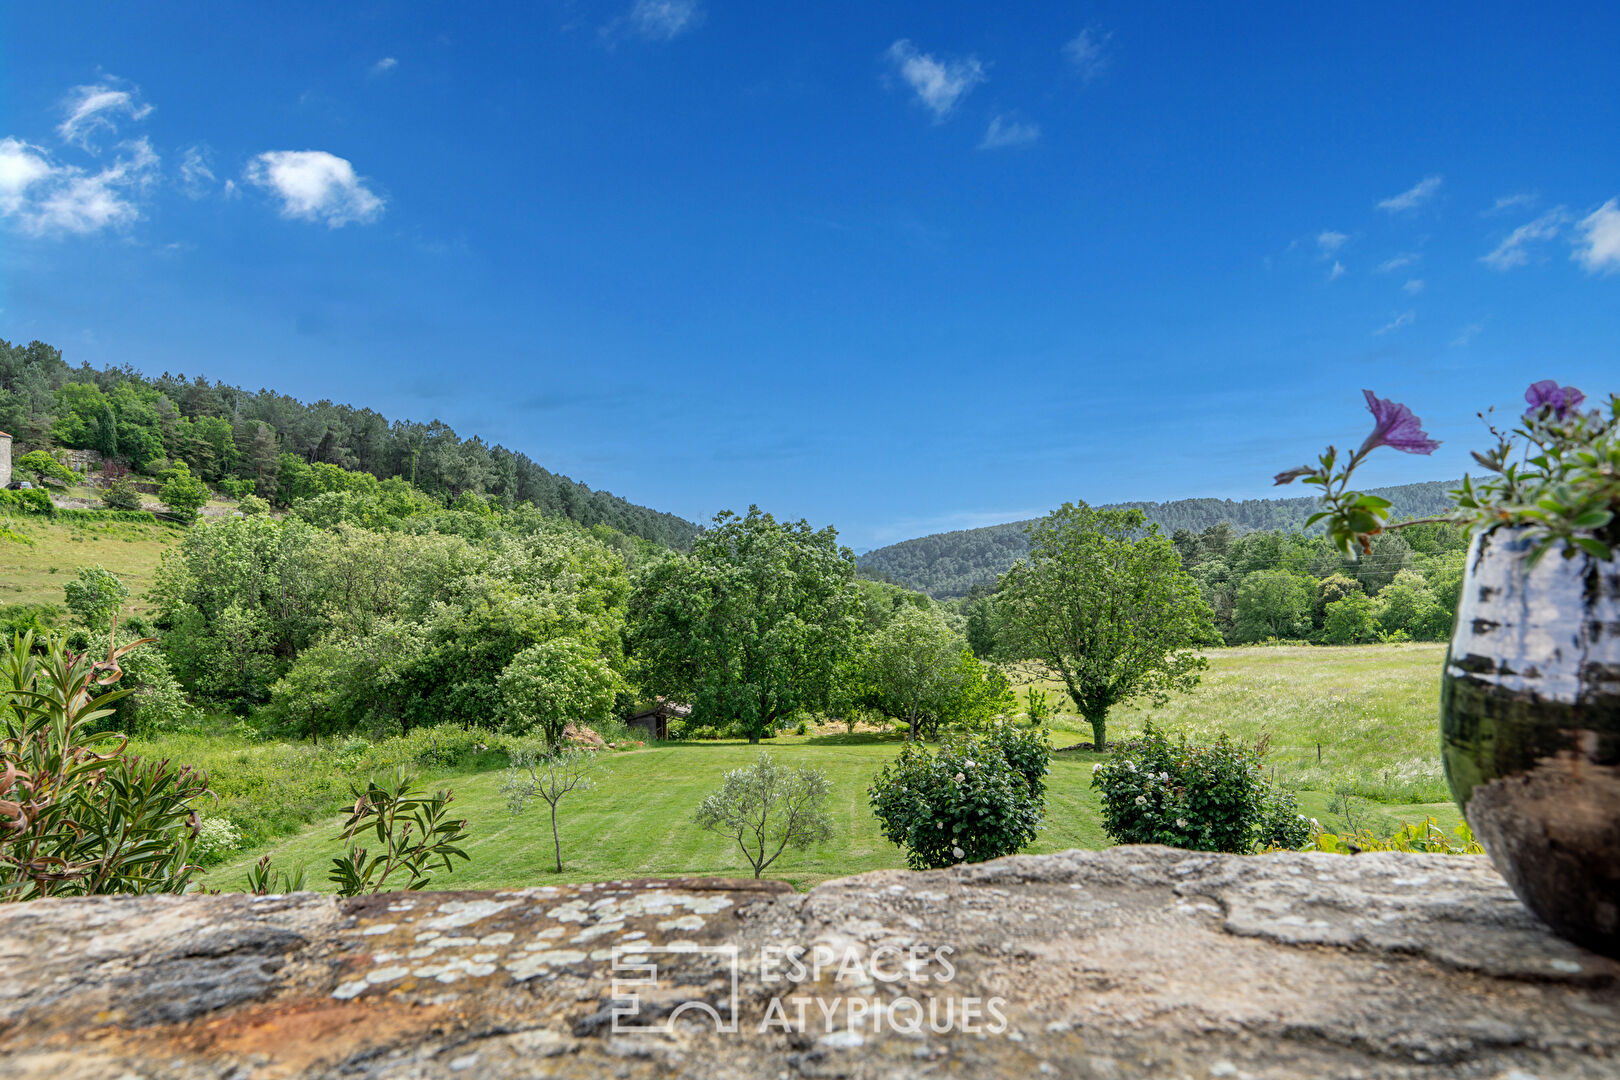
(1414, 286)
(940, 84)
(196, 174)
(1513, 202)
(1404, 319)
(1405, 258)
(1004, 131)
(98, 108)
(48, 198)
(384, 66)
(1598, 248)
(1511, 251)
(1467, 334)
(315, 186)
(1329, 241)
(1087, 53)
(1337, 272)
(656, 20)
(1413, 197)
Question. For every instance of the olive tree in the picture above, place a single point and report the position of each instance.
(768, 808)
(550, 776)
(1103, 602)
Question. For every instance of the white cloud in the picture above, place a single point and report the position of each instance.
(1467, 334)
(1599, 247)
(663, 20)
(1405, 258)
(196, 176)
(1330, 241)
(91, 109)
(939, 84)
(1087, 53)
(1414, 286)
(21, 167)
(1006, 132)
(1513, 202)
(1511, 251)
(314, 186)
(384, 66)
(1412, 197)
(1337, 272)
(47, 198)
(1405, 318)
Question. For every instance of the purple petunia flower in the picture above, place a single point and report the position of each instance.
(1563, 400)
(1396, 428)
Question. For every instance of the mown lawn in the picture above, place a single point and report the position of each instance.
(1373, 710)
(33, 573)
(637, 821)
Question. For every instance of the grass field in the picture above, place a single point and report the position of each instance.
(1372, 708)
(33, 573)
(1362, 717)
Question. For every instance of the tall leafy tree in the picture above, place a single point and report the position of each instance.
(1273, 603)
(752, 625)
(1102, 600)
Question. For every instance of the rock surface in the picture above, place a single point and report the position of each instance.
(1137, 961)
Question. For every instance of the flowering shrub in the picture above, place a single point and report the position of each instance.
(1189, 795)
(216, 838)
(977, 797)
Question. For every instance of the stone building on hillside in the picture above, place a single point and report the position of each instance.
(5, 459)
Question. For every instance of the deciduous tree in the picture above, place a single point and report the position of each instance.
(1103, 602)
(752, 625)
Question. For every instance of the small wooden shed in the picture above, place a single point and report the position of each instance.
(654, 720)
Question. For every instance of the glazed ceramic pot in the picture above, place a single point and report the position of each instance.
(1530, 729)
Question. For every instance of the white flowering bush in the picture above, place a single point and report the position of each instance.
(216, 838)
(1206, 797)
(977, 797)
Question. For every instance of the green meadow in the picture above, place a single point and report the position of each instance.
(1371, 709)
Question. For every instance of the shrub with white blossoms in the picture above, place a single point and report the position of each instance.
(216, 838)
(977, 797)
(1206, 797)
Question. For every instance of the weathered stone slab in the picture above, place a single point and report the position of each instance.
(1130, 962)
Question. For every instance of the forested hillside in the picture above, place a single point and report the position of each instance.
(228, 435)
(949, 564)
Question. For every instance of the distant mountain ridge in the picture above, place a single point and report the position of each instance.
(949, 564)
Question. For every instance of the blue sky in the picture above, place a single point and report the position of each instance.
(899, 267)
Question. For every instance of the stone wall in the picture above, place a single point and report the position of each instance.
(1132, 962)
(5, 459)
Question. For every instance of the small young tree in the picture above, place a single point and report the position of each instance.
(550, 775)
(768, 808)
(183, 493)
(553, 684)
(95, 597)
(121, 495)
